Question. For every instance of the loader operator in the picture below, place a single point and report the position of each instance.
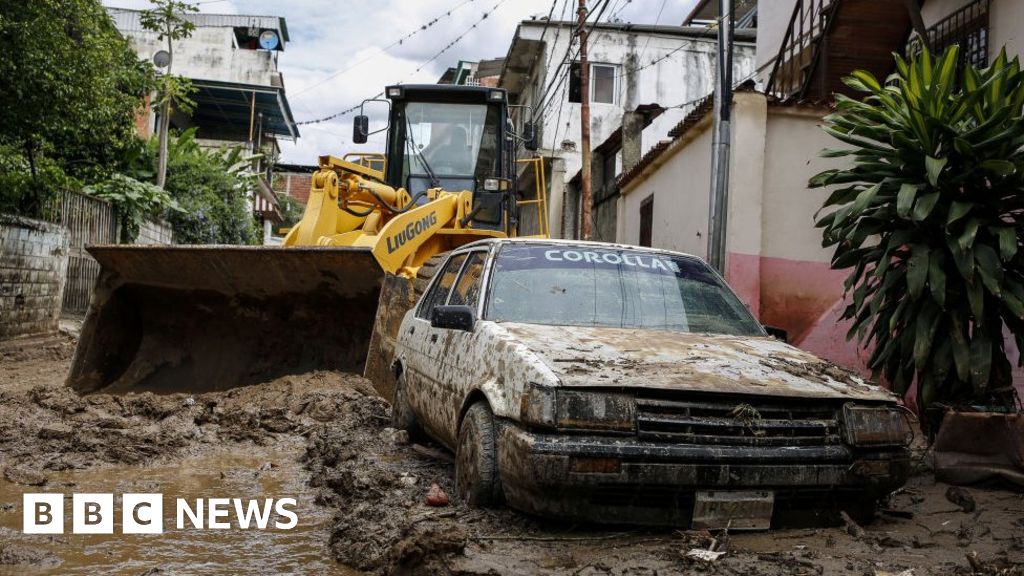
(450, 154)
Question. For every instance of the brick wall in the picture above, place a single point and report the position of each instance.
(33, 269)
(294, 184)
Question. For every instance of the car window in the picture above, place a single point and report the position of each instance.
(438, 293)
(467, 288)
(597, 286)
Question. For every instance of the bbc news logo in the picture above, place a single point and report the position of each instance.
(144, 513)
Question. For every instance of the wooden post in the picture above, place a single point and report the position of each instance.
(586, 222)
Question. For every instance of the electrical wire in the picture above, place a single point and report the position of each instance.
(398, 42)
(446, 48)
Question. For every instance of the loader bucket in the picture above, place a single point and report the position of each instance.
(202, 318)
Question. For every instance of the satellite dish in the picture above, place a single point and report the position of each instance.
(162, 59)
(268, 40)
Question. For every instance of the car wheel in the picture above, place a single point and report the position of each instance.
(476, 458)
(402, 416)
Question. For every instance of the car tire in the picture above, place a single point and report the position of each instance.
(476, 458)
(402, 416)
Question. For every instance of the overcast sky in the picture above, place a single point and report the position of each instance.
(328, 36)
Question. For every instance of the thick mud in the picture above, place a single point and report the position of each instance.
(362, 489)
(378, 482)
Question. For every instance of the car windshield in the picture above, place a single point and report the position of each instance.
(591, 286)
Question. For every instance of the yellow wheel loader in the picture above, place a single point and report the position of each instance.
(195, 318)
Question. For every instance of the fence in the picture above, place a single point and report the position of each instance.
(155, 232)
(89, 221)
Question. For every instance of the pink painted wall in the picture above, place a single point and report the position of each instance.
(805, 298)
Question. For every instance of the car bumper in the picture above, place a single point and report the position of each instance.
(624, 480)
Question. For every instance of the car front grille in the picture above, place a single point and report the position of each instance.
(719, 423)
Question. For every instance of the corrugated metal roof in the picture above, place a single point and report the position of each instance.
(129, 21)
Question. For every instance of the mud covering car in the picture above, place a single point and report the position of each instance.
(618, 384)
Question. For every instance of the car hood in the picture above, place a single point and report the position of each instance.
(631, 358)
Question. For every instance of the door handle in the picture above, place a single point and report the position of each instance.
(433, 338)
(412, 329)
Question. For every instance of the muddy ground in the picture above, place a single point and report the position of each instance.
(324, 437)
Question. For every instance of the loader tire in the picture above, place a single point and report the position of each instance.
(476, 458)
(426, 273)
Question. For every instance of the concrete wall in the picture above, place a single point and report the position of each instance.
(774, 259)
(210, 54)
(33, 268)
(679, 180)
(772, 22)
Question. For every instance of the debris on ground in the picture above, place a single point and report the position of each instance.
(375, 482)
(436, 496)
(962, 498)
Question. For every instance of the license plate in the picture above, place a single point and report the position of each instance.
(734, 510)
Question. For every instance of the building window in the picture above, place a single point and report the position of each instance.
(968, 28)
(646, 220)
(603, 79)
(602, 83)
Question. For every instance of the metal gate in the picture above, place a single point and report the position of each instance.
(89, 221)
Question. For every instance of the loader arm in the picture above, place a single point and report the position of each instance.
(177, 318)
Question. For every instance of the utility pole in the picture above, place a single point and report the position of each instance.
(586, 221)
(719, 205)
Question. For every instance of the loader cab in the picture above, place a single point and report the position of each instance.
(455, 138)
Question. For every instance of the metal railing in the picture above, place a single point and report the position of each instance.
(540, 198)
(967, 27)
(800, 48)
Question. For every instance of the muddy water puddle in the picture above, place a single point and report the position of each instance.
(246, 472)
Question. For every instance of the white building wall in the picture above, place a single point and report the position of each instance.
(772, 22)
(685, 75)
(679, 180)
(210, 54)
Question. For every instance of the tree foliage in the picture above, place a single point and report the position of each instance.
(134, 201)
(210, 187)
(72, 85)
(928, 217)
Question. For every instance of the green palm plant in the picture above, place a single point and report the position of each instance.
(928, 217)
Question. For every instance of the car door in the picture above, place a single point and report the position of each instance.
(458, 371)
(418, 370)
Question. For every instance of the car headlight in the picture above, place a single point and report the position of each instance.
(559, 408)
(872, 426)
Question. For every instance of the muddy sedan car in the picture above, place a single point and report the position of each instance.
(621, 384)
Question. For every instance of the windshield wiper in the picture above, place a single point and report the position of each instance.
(419, 155)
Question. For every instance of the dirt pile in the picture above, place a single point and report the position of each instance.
(46, 427)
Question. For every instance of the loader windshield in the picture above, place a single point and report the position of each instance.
(446, 140)
(589, 286)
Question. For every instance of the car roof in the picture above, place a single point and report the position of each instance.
(578, 243)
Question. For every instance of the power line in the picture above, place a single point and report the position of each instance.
(398, 42)
(567, 59)
(619, 11)
(436, 55)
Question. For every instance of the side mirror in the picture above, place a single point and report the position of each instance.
(530, 137)
(360, 129)
(452, 318)
(777, 333)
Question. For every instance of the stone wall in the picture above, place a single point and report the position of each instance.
(33, 271)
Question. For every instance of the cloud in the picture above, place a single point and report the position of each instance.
(328, 36)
